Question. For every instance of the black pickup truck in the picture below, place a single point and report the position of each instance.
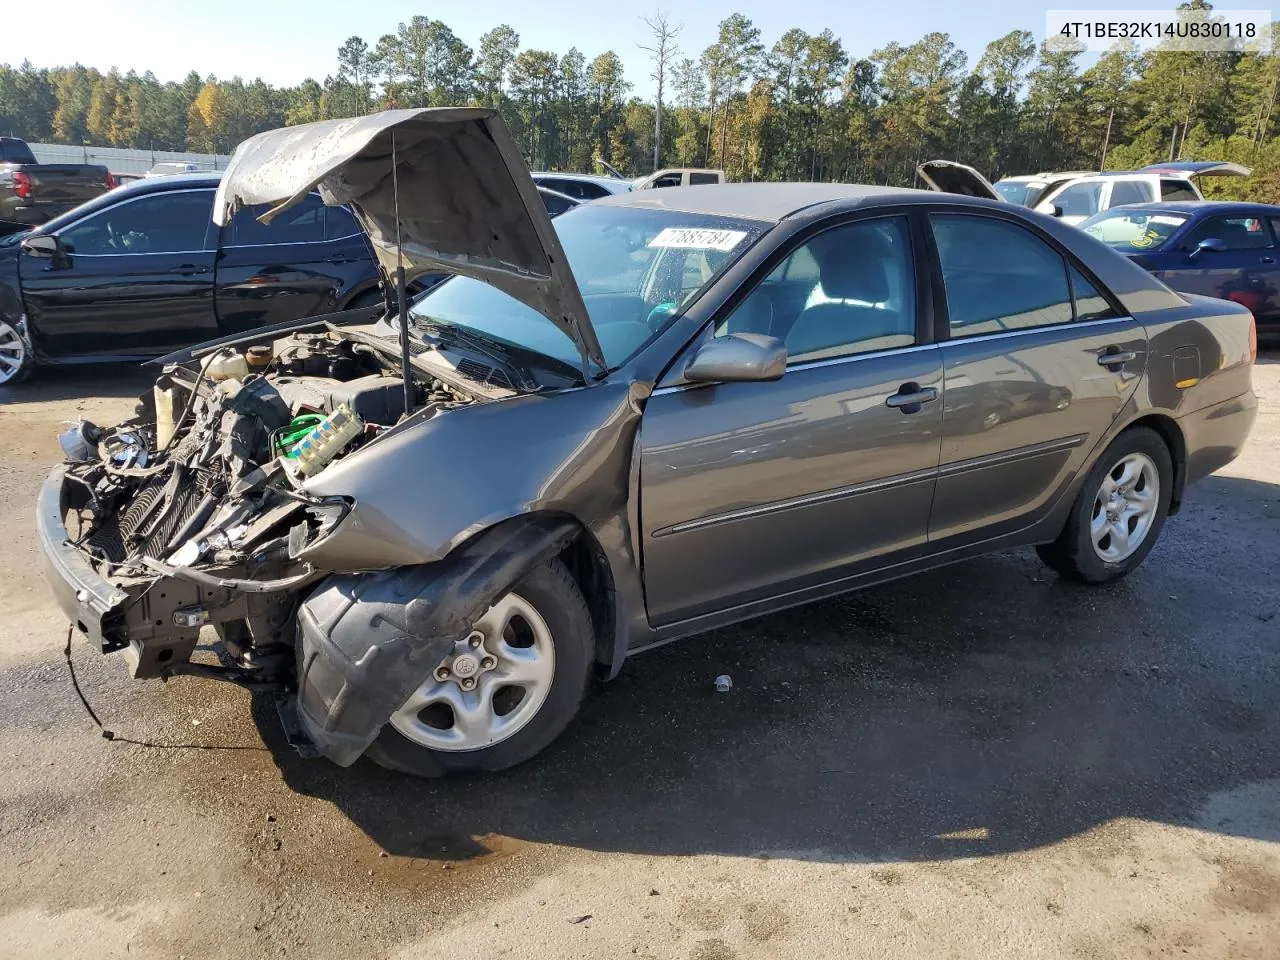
(32, 193)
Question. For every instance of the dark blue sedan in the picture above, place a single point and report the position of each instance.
(1226, 250)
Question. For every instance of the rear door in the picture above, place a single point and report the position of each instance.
(1245, 270)
(1038, 363)
(752, 490)
(298, 266)
(137, 279)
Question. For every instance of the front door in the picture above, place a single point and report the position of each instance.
(135, 279)
(754, 490)
(1245, 269)
(1037, 366)
(297, 266)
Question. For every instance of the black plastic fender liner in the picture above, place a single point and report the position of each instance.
(366, 641)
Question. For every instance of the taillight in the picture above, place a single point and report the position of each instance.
(1253, 340)
(22, 185)
(111, 181)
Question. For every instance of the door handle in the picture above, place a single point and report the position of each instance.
(911, 397)
(189, 269)
(1268, 259)
(1113, 358)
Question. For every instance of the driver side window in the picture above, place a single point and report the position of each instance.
(170, 222)
(848, 290)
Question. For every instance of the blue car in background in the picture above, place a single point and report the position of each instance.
(1225, 250)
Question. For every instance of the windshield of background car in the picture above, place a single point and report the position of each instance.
(1133, 231)
(1018, 192)
(636, 268)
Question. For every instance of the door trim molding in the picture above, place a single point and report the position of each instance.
(777, 506)
(1028, 452)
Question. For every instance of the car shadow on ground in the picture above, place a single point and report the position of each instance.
(73, 382)
(983, 708)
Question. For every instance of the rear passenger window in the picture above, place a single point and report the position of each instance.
(698, 179)
(848, 290)
(339, 223)
(303, 223)
(999, 276)
(1237, 233)
(1130, 191)
(1171, 190)
(1090, 304)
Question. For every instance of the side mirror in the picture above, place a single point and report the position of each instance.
(738, 357)
(42, 245)
(1209, 245)
(1049, 209)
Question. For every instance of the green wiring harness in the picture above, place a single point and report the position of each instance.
(284, 439)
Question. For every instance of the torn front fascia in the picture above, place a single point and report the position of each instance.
(365, 642)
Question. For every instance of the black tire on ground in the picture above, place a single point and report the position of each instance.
(8, 377)
(1072, 555)
(551, 589)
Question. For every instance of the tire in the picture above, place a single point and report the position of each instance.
(554, 598)
(1089, 549)
(15, 359)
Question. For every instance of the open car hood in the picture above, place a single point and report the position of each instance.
(947, 176)
(1199, 168)
(467, 205)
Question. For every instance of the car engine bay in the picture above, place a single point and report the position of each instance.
(196, 508)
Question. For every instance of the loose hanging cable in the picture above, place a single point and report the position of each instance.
(401, 299)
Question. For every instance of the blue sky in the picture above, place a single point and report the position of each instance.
(285, 41)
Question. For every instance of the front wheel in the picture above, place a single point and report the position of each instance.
(15, 360)
(505, 690)
(1119, 511)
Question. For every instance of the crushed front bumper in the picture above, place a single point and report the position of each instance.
(94, 606)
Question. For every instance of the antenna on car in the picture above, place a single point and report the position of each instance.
(401, 300)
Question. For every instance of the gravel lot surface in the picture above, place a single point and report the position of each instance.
(982, 762)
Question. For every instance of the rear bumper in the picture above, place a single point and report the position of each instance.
(1216, 434)
(94, 606)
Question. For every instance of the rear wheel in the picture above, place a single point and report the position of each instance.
(1119, 511)
(15, 359)
(504, 691)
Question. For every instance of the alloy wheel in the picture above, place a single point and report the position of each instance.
(488, 687)
(12, 352)
(1125, 507)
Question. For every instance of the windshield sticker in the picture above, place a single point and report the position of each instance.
(1170, 221)
(697, 238)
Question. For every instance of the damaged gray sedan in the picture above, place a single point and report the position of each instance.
(671, 411)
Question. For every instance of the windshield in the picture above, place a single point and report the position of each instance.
(636, 268)
(1133, 231)
(1018, 191)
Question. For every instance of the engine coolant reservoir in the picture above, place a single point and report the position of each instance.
(167, 412)
(225, 364)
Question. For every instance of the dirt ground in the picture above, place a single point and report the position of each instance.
(982, 762)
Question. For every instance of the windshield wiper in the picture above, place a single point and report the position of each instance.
(513, 358)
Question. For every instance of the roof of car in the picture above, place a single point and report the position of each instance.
(769, 201)
(173, 181)
(1192, 207)
(591, 177)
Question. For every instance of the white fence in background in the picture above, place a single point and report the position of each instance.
(127, 162)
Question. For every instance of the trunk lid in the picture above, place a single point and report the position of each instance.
(467, 205)
(947, 176)
(1199, 168)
